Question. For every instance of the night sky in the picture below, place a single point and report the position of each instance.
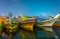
(30, 7)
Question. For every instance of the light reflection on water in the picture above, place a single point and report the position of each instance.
(40, 34)
(17, 36)
(57, 31)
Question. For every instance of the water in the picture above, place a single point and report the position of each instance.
(57, 31)
(17, 36)
(40, 34)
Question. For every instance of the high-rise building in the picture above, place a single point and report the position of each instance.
(10, 17)
(10, 14)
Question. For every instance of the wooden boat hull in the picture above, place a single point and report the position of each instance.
(56, 28)
(28, 26)
(47, 26)
(56, 24)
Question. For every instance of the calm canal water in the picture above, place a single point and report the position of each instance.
(39, 35)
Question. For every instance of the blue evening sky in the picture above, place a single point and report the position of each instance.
(30, 7)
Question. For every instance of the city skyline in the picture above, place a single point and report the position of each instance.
(30, 7)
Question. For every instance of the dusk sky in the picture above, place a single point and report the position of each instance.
(30, 7)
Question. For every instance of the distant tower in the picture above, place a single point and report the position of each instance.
(10, 14)
(10, 17)
(20, 16)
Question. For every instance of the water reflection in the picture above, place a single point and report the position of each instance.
(5, 36)
(57, 31)
(39, 34)
(17, 36)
